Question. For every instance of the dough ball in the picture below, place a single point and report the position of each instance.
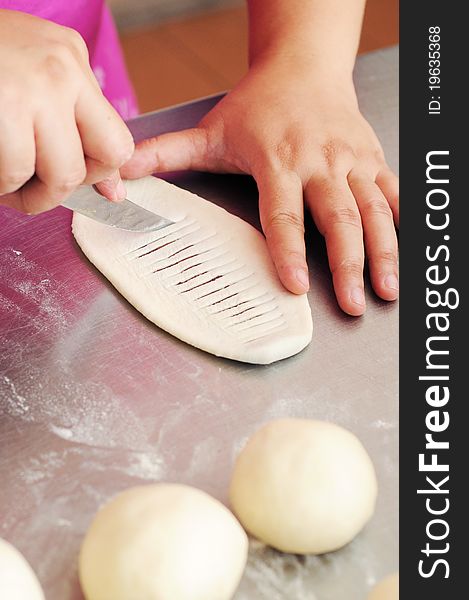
(162, 542)
(303, 486)
(17, 579)
(386, 589)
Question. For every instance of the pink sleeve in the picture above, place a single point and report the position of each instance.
(109, 68)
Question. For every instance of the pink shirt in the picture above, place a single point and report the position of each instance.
(92, 19)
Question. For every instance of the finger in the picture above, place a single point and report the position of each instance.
(380, 235)
(104, 135)
(177, 151)
(336, 215)
(96, 171)
(112, 187)
(281, 212)
(389, 185)
(73, 40)
(60, 165)
(17, 153)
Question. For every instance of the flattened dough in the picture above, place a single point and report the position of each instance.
(208, 279)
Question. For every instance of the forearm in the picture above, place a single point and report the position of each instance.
(325, 33)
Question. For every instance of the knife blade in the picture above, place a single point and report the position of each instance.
(123, 215)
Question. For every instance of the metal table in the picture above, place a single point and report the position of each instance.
(94, 398)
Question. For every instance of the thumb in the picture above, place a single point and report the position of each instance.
(178, 151)
(112, 187)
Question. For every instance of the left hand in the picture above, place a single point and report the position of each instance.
(300, 134)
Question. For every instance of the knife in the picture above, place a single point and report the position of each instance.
(123, 215)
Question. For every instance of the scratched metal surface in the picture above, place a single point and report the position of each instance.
(95, 399)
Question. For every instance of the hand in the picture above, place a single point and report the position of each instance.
(301, 136)
(56, 128)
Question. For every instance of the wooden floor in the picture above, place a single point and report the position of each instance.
(187, 59)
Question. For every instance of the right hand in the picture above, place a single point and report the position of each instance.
(57, 130)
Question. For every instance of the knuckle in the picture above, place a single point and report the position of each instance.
(388, 256)
(279, 156)
(76, 41)
(56, 61)
(113, 160)
(334, 153)
(343, 215)
(376, 207)
(65, 185)
(284, 154)
(284, 219)
(350, 267)
(115, 155)
(378, 156)
(159, 160)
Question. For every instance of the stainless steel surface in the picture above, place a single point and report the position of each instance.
(123, 215)
(95, 399)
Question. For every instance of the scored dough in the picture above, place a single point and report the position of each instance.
(386, 589)
(303, 486)
(162, 542)
(17, 579)
(208, 279)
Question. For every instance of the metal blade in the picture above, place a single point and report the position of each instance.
(123, 215)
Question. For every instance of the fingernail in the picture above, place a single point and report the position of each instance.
(358, 296)
(391, 282)
(302, 276)
(120, 190)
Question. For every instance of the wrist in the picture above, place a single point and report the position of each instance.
(304, 69)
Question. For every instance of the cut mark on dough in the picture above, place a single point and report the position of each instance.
(193, 276)
(247, 301)
(218, 267)
(275, 308)
(214, 291)
(246, 308)
(215, 277)
(202, 284)
(278, 320)
(206, 261)
(165, 232)
(178, 239)
(177, 262)
(223, 299)
(236, 293)
(203, 261)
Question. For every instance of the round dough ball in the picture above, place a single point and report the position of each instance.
(17, 579)
(386, 589)
(162, 542)
(303, 486)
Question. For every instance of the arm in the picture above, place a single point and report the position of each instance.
(323, 33)
(294, 124)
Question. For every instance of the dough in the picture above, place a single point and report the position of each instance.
(162, 542)
(17, 579)
(386, 589)
(303, 486)
(208, 279)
